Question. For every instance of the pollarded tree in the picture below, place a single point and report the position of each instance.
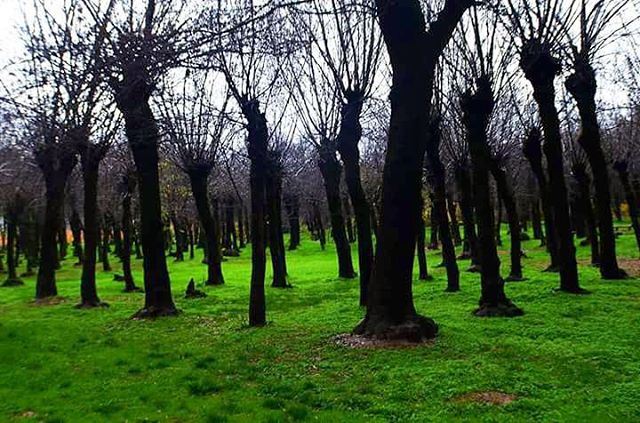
(538, 29)
(347, 40)
(196, 132)
(317, 102)
(414, 53)
(249, 52)
(143, 43)
(596, 29)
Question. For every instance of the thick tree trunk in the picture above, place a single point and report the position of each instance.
(198, 178)
(506, 193)
(582, 86)
(319, 225)
(437, 178)
(274, 214)
(56, 163)
(90, 158)
(257, 141)
(128, 183)
(414, 54)
(348, 140)
(142, 133)
(542, 75)
(348, 220)
(533, 153)
(622, 168)
(330, 169)
(477, 109)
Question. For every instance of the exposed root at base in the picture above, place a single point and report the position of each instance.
(9, 283)
(155, 312)
(498, 310)
(86, 305)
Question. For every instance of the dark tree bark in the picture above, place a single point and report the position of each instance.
(292, 206)
(104, 248)
(257, 141)
(541, 69)
(433, 224)
(414, 54)
(476, 109)
(584, 196)
(128, 185)
(90, 157)
(533, 152)
(62, 237)
(76, 232)
(506, 193)
(437, 178)
(319, 225)
(347, 142)
(132, 98)
(331, 170)
(463, 182)
(622, 167)
(56, 164)
(536, 221)
(422, 251)
(583, 86)
(11, 220)
(198, 177)
(274, 214)
(241, 234)
(498, 223)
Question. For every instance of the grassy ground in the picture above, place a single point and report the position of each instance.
(570, 358)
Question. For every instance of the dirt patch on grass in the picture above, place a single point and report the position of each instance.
(632, 267)
(486, 397)
(358, 341)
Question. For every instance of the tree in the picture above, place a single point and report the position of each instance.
(414, 54)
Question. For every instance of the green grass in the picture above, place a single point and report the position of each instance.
(570, 358)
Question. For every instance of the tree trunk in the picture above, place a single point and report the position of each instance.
(142, 133)
(319, 225)
(11, 220)
(274, 214)
(257, 141)
(437, 179)
(90, 160)
(506, 193)
(541, 70)
(584, 197)
(536, 221)
(422, 251)
(128, 183)
(348, 140)
(76, 231)
(330, 169)
(582, 86)
(453, 217)
(104, 249)
(463, 182)
(414, 54)
(533, 153)
(56, 163)
(476, 109)
(292, 206)
(198, 178)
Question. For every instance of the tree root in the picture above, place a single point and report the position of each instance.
(616, 275)
(515, 278)
(86, 305)
(503, 309)
(413, 329)
(155, 312)
(9, 283)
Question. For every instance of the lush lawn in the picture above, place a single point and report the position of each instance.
(570, 358)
